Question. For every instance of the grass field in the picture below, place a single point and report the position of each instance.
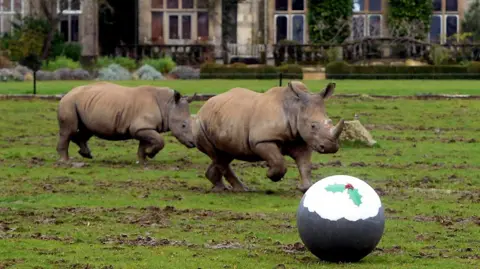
(112, 213)
(381, 87)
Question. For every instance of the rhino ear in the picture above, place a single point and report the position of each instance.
(328, 91)
(176, 96)
(303, 96)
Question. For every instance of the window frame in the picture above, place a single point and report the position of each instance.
(366, 13)
(180, 11)
(68, 13)
(441, 28)
(444, 13)
(9, 13)
(289, 14)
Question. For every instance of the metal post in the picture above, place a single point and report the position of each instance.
(34, 82)
(280, 77)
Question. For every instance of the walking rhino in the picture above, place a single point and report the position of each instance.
(249, 126)
(114, 112)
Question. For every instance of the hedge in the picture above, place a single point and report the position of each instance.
(343, 70)
(242, 71)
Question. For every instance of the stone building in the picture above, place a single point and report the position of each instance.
(241, 24)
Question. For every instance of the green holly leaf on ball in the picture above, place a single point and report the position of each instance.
(352, 192)
(335, 188)
(355, 196)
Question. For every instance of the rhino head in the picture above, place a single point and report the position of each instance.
(179, 120)
(312, 122)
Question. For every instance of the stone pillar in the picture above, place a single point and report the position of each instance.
(89, 31)
(144, 22)
(215, 24)
(247, 15)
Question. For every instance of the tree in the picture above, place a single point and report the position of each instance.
(471, 21)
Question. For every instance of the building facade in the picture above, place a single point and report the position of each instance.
(197, 21)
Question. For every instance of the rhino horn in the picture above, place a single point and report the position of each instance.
(337, 130)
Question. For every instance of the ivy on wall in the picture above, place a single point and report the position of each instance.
(410, 15)
(329, 20)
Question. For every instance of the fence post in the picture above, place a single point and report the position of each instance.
(34, 82)
(280, 78)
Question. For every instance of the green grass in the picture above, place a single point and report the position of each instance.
(381, 87)
(114, 212)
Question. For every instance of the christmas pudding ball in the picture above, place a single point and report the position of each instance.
(340, 219)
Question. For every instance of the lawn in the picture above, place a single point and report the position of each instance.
(380, 87)
(109, 212)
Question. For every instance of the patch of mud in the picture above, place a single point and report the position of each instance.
(7, 263)
(143, 241)
(35, 161)
(389, 250)
(149, 219)
(222, 245)
(40, 236)
(447, 220)
(293, 248)
(426, 138)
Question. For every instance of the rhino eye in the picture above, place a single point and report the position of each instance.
(184, 125)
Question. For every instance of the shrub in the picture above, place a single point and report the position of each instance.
(46, 75)
(60, 62)
(72, 51)
(439, 55)
(163, 65)
(237, 71)
(474, 68)
(4, 62)
(125, 62)
(71, 74)
(327, 20)
(114, 72)
(333, 54)
(185, 72)
(147, 72)
(291, 71)
(10, 75)
(343, 70)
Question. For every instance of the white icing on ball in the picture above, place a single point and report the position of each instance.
(342, 203)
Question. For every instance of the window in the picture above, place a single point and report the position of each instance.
(289, 22)
(69, 21)
(435, 28)
(8, 9)
(179, 21)
(445, 22)
(367, 18)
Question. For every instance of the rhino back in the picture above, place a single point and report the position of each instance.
(232, 119)
(116, 112)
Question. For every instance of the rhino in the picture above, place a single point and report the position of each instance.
(114, 112)
(241, 124)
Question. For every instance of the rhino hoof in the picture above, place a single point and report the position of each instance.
(87, 155)
(220, 189)
(303, 189)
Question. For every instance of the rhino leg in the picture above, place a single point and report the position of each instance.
(302, 156)
(151, 142)
(81, 139)
(214, 174)
(271, 154)
(62, 146)
(232, 178)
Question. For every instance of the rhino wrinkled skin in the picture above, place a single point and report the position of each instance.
(245, 125)
(114, 112)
